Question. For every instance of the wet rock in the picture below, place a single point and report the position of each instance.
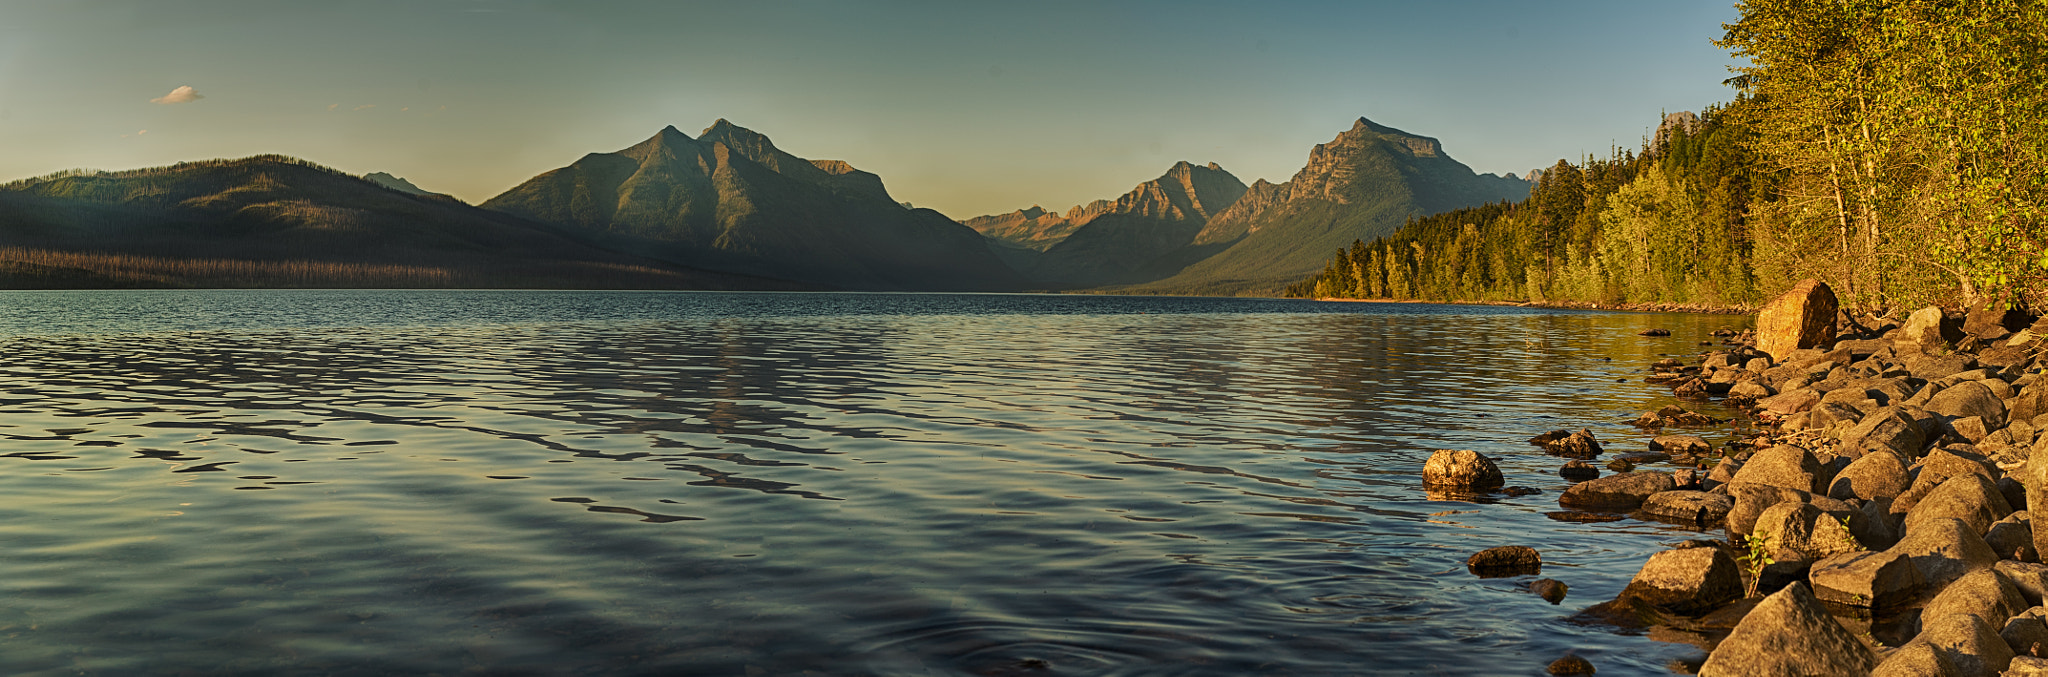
(1686, 580)
(1983, 593)
(1687, 479)
(1550, 589)
(1570, 665)
(1503, 561)
(1687, 507)
(1460, 468)
(1680, 445)
(1968, 497)
(1802, 317)
(2024, 632)
(1520, 491)
(2029, 578)
(1789, 633)
(1967, 399)
(1580, 444)
(2013, 538)
(1866, 579)
(1945, 550)
(1654, 332)
(1621, 493)
(1781, 466)
(1872, 476)
(1692, 389)
(1546, 438)
(1723, 472)
(1970, 644)
(1621, 465)
(1578, 470)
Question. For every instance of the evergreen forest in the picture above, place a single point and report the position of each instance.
(1895, 149)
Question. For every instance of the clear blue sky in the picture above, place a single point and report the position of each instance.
(965, 107)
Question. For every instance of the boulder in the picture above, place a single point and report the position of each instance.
(2026, 634)
(1580, 444)
(1789, 633)
(1461, 469)
(1915, 659)
(1970, 643)
(1993, 319)
(1802, 317)
(1752, 390)
(1802, 531)
(1968, 497)
(1874, 475)
(1967, 399)
(1939, 466)
(2029, 578)
(2032, 401)
(1751, 500)
(1781, 466)
(1923, 331)
(1833, 418)
(1983, 593)
(1944, 550)
(1687, 507)
(1889, 428)
(1619, 493)
(1503, 561)
(1570, 665)
(1546, 438)
(1866, 579)
(2013, 538)
(1789, 402)
(2026, 666)
(1931, 367)
(1687, 580)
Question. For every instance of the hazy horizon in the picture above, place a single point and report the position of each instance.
(969, 110)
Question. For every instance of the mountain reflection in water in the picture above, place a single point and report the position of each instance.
(397, 482)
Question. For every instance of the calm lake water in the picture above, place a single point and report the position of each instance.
(625, 483)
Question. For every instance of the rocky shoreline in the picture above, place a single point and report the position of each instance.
(1879, 521)
(1699, 308)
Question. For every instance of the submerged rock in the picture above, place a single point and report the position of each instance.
(1688, 507)
(1550, 589)
(1867, 580)
(1621, 493)
(1504, 561)
(1570, 665)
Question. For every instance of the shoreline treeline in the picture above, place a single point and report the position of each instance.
(1896, 149)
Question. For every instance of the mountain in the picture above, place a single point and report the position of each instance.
(1361, 185)
(730, 200)
(395, 183)
(1034, 228)
(274, 221)
(1132, 239)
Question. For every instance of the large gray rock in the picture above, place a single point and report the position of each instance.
(1866, 579)
(1789, 633)
(1789, 402)
(1581, 444)
(1686, 580)
(1931, 367)
(1970, 643)
(1945, 550)
(1936, 468)
(1874, 475)
(1461, 469)
(1621, 493)
(1802, 317)
(1967, 399)
(1802, 531)
(1969, 497)
(2031, 402)
(1687, 507)
(1984, 593)
(1782, 466)
(1924, 330)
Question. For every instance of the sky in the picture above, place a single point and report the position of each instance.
(966, 107)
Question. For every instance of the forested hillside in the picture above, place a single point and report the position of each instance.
(1897, 150)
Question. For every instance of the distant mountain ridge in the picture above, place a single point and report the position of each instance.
(730, 200)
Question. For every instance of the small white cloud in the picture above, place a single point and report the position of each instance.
(183, 94)
(333, 106)
(407, 108)
(366, 106)
(140, 133)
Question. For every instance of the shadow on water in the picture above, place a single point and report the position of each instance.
(641, 483)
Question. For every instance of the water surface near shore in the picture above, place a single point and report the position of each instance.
(399, 482)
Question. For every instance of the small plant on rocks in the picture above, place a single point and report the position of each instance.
(1757, 557)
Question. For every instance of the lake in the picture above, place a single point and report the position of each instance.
(628, 483)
